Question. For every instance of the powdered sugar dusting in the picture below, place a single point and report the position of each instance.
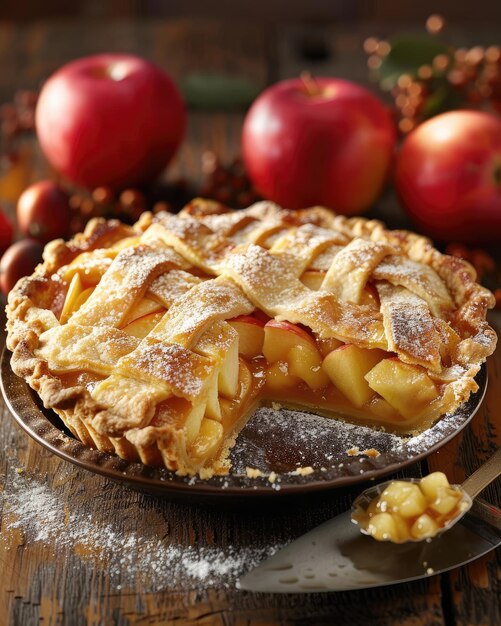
(271, 441)
(128, 556)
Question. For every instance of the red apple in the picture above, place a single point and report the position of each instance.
(448, 177)
(43, 211)
(19, 260)
(110, 120)
(6, 233)
(324, 141)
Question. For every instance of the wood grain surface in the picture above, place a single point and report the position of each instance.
(76, 549)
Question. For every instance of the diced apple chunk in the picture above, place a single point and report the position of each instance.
(145, 306)
(425, 526)
(143, 325)
(213, 410)
(231, 409)
(74, 291)
(83, 297)
(383, 410)
(370, 297)
(326, 346)
(280, 337)
(91, 266)
(347, 366)
(228, 373)
(446, 501)
(278, 377)
(403, 498)
(313, 279)
(288, 343)
(406, 387)
(220, 344)
(306, 363)
(193, 421)
(382, 527)
(431, 484)
(251, 335)
(402, 528)
(208, 440)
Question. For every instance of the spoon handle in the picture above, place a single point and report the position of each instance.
(485, 474)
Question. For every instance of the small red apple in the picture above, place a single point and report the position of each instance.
(110, 120)
(43, 211)
(19, 260)
(324, 141)
(6, 233)
(448, 177)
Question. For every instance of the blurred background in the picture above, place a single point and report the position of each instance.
(222, 54)
(206, 45)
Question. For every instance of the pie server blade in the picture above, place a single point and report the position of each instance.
(337, 557)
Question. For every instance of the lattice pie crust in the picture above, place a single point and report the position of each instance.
(157, 341)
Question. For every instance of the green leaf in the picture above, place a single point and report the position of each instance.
(218, 91)
(407, 55)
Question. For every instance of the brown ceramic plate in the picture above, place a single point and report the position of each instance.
(273, 441)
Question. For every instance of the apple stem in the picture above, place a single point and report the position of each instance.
(311, 85)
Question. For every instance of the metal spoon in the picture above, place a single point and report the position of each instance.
(471, 487)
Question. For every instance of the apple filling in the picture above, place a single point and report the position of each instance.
(336, 378)
(262, 360)
(411, 511)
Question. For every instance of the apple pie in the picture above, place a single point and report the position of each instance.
(157, 341)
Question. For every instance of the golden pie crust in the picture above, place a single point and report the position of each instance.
(177, 395)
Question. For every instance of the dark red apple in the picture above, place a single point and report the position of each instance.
(19, 260)
(448, 177)
(6, 233)
(324, 141)
(43, 211)
(110, 120)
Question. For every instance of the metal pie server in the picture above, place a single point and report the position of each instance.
(337, 557)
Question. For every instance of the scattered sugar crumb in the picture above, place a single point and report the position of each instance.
(283, 366)
(430, 571)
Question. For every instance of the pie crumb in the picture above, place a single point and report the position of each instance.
(371, 452)
(276, 406)
(303, 471)
(272, 477)
(430, 571)
(206, 472)
(253, 472)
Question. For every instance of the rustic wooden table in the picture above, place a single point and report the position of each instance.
(77, 549)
